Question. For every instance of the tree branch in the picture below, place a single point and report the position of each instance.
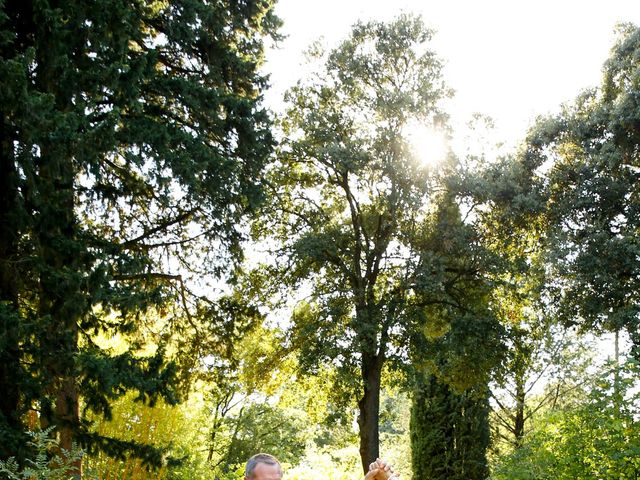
(160, 227)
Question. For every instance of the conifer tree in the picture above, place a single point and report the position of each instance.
(131, 144)
(457, 343)
(449, 432)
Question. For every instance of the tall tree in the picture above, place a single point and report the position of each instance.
(594, 187)
(131, 137)
(351, 197)
(449, 432)
(483, 242)
(456, 345)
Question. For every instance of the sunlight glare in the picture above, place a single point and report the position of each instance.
(428, 145)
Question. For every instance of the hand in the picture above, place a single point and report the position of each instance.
(380, 470)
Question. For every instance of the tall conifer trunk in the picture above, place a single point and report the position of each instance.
(62, 303)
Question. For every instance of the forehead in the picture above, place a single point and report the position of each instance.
(264, 471)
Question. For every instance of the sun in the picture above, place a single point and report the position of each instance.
(428, 144)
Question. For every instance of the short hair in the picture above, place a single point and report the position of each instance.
(253, 462)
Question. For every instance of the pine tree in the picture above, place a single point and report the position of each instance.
(130, 134)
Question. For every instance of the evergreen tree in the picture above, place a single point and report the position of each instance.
(449, 432)
(480, 244)
(456, 345)
(131, 139)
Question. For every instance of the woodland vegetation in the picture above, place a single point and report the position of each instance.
(187, 279)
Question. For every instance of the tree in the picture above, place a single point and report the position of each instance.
(264, 428)
(349, 196)
(456, 346)
(595, 439)
(245, 408)
(593, 182)
(545, 368)
(506, 201)
(449, 431)
(131, 138)
(170, 431)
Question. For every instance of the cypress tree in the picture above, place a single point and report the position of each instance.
(449, 432)
(453, 352)
(131, 146)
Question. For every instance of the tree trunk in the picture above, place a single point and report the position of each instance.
(61, 299)
(369, 409)
(62, 347)
(62, 302)
(58, 306)
(519, 417)
(68, 414)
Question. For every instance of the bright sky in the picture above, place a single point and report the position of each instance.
(509, 59)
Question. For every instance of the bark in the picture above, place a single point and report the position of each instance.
(369, 409)
(61, 341)
(519, 417)
(60, 305)
(61, 302)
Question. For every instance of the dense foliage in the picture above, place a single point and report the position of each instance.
(348, 201)
(429, 314)
(131, 145)
(592, 149)
(598, 438)
(449, 432)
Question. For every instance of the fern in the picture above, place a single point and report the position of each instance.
(44, 466)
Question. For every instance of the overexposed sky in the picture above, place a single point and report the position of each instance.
(509, 59)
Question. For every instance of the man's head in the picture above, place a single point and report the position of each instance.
(263, 466)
